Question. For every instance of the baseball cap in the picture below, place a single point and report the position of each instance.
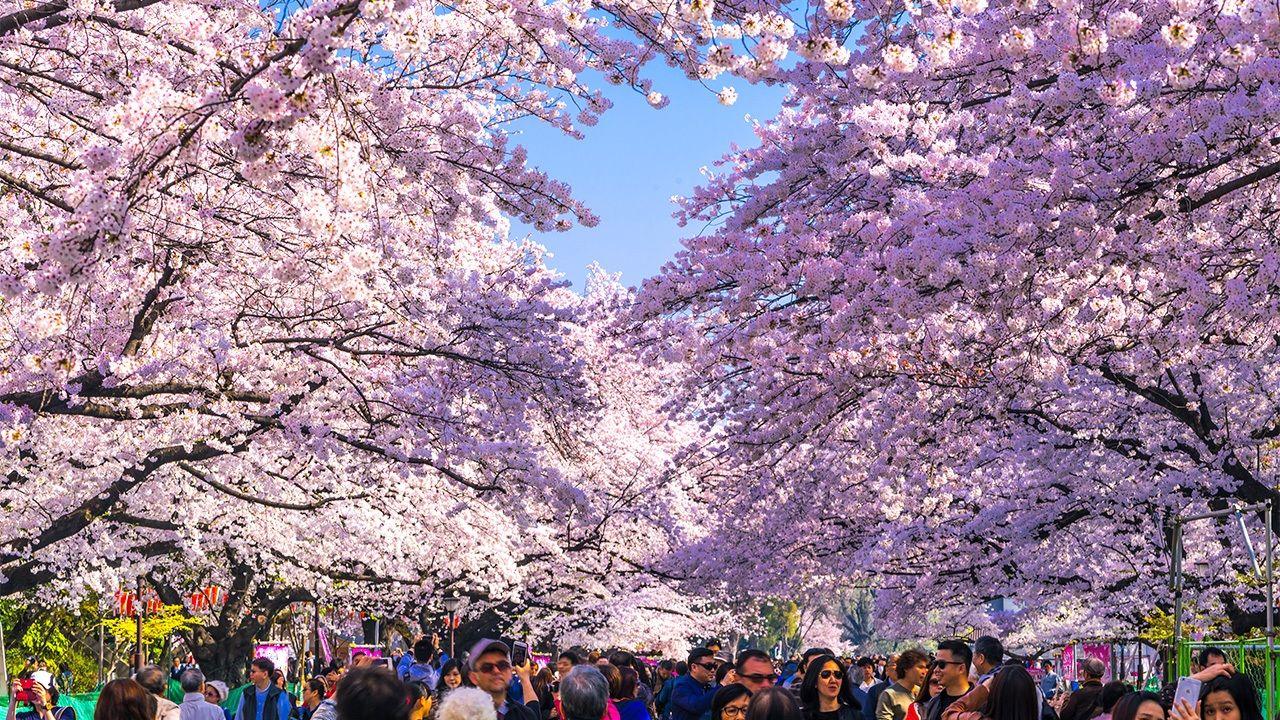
(487, 645)
(44, 678)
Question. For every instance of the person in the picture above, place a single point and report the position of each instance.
(44, 701)
(416, 666)
(863, 680)
(194, 706)
(726, 674)
(489, 668)
(1139, 706)
(175, 669)
(797, 677)
(1008, 694)
(1210, 656)
(613, 677)
(627, 696)
(663, 673)
(774, 703)
(754, 669)
(1083, 703)
(929, 689)
(332, 674)
(873, 695)
(584, 693)
(825, 693)
(156, 681)
(1227, 696)
(951, 669)
(662, 698)
(124, 699)
(450, 677)
(691, 694)
(895, 701)
(543, 682)
(216, 692)
(421, 700)
(266, 701)
(1049, 681)
(1111, 693)
(730, 702)
(623, 659)
(566, 662)
(371, 692)
(313, 693)
(988, 653)
(466, 703)
(278, 677)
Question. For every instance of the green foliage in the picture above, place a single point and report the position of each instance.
(58, 636)
(156, 628)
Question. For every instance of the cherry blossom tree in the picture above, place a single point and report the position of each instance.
(990, 301)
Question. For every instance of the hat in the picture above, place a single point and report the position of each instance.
(43, 677)
(724, 656)
(487, 645)
(221, 687)
(1093, 667)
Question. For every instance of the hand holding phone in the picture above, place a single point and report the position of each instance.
(1188, 691)
(519, 653)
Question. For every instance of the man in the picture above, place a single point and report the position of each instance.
(866, 673)
(1209, 657)
(371, 692)
(951, 667)
(988, 653)
(691, 694)
(417, 667)
(584, 693)
(1048, 683)
(156, 681)
(912, 669)
(194, 706)
(489, 668)
(566, 662)
(754, 670)
(264, 701)
(873, 694)
(1085, 703)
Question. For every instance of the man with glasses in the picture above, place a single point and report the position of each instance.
(490, 669)
(691, 694)
(951, 667)
(755, 670)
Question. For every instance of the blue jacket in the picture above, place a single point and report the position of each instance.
(690, 699)
(873, 698)
(410, 670)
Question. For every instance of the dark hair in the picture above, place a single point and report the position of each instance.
(1014, 695)
(1126, 708)
(909, 659)
(865, 661)
(417, 690)
(960, 649)
(809, 685)
(573, 657)
(317, 684)
(682, 668)
(989, 648)
(614, 677)
(773, 703)
(696, 655)
(1111, 692)
(667, 665)
(749, 654)
(125, 699)
(726, 695)
(1241, 689)
(812, 653)
(266, 665)
(1202, 659)
(924, 694)
(424, 650)
(629, 684)
(371, 692)
(722, 672)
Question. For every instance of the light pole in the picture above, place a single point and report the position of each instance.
(451, 604)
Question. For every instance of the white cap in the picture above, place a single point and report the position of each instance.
(43, 677)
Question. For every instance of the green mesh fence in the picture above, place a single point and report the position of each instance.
(85, 703)
(1251, 657)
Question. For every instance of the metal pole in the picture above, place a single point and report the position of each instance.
(4, 666)
(102, 653)
(1271, 605)
(138, 659)
(1177, 597)
(453, 654)
(316, 622)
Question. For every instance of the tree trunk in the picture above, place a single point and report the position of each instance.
(225, 660)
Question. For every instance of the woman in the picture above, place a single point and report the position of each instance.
(929, 689)
(125, 699)
(1010, 694)
(1110, 695)
(1139, 706)
(420, 700)
(542, 683)
(630, 705)
(278, 677)
(216, 692)
(44, 704)
(450, 680)
(312, 695)
(614, 677)
(730, 702)
(774, 703)
(1229, 697)
(826, 693)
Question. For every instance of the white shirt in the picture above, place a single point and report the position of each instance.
(195, 707)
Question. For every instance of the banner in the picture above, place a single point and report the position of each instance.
(1101, 651)
(1069, 672)
(277, 653)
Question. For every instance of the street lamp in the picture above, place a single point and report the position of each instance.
(451, 604)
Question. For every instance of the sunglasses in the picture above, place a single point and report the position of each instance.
(708, 666)
(828, 674)
(944, 663)
(500, 666)
(760, 677)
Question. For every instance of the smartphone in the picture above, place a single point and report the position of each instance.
(519, 653)
(1188, 689)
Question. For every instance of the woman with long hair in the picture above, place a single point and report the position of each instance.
(929, 689)
(826, 693)
(450, 680)
(1010, 694)
(630, 705)
(1227, 697)
(125, 699)
(542, 684)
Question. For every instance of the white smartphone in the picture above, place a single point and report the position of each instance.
(1188, 689)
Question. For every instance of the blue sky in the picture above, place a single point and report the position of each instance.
(629, 165)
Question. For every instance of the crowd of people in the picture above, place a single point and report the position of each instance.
(955, 682)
